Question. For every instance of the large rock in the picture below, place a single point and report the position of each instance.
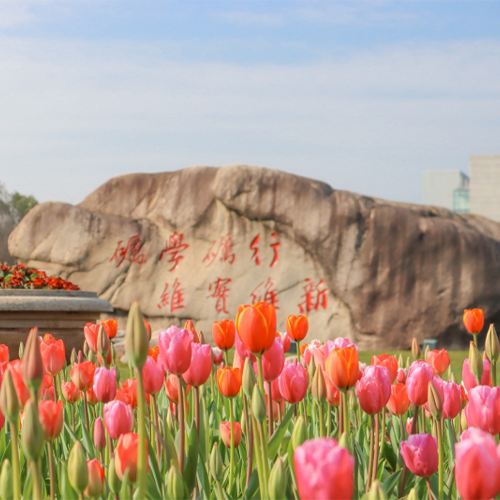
(197, 242)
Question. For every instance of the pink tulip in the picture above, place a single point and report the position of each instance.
(238, 362)
(275, 388)
(242, 351)
(99, 434)
(341, 342)
(310, 349)
(417, 382)
(273, 361)
(175, 348)
(153, 376)
(218, 355)
(293, 382)
(201, 365)
(420, 454)
(323, 470)
(117, 418)
(374, 389)
(286, 341)
(401, 378)
(477, 470)
(409, 423)
(105, 384)
(484, 408)
(225, 433)
(452, 399)
(469, 380)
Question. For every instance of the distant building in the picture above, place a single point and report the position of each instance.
(448, 189)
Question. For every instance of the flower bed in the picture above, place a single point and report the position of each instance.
(22, 277)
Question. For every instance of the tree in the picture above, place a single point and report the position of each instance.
(17, 204)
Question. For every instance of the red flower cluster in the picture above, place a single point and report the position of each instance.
(20, 276)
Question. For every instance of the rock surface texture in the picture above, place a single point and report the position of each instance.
(197, 242)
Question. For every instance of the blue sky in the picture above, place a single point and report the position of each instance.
(362, 95)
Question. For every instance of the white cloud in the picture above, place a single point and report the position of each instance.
(74, 114)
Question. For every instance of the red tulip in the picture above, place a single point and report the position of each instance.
(70, 392)
(176, 349)
(152, 376)
(105, 384)
(390, 362)
(275, 388)
(99, 434)
(82, 375)
(468, 378)
(398, 403)
(401, 378)
(117, 418)
(110, 327)
(420, 454)
(229, 381)
(374, 389)
(90, 397)
(439, 360)
(50, 414)
(342, 367)
(419, 376)
(285, 339)
(273, 361)
(293, 382)
(148, 328)
(483, 410)
(48, 394)
(128, 393)
(224, 333)
(91, 331)
(297, 327)
(16, 370)
(95, 485)
(201, 365)
(225, 433)
(332, 393)
(473, 320)
(256, 326)
(323, 470)
(4, 354)
(172, 389)
(477, 470)
(126, 456)
(452, 402)
(53, 356)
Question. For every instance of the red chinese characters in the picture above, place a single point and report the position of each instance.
(222, 249)
(131, 252)
(175, 246)
(275, 247)
(265, 293)
(254, 246)
(173, 300)
(219, 290)
(315, 296)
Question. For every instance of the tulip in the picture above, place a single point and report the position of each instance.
(452, 403)
(256, 326)
(342, 367)
(332, 393)
(390, 362)
(225, 433)
(4, 354)
(417, 381)
(473, 320)
(9, 401)
(224, 333)
(229, 381)
(126, 456)
(110, 327)
(51, 418)
(273, 361)
(23, 393)
(323, 470)
(201, 365)
(70, 392)
(32, 362)
(297, 327)
(154, 352)
(6, 483)
(105, 384)
(293, 382)
(95, 485)
(53, 356)
(176, 349)
(82, 375)
(277, 480)
(99, 434)
(420, 454)
(408, 425)
(128, 393)
(91, 331)
(218, 355)
(153, 376)
(78, 473)
(483, 410)
(147, 326)
(117, 418)
(477, 471)
(399, 402)
(401, 377)
(285, 339)
(439, 360)
(240, 363)
(469, 380)
(374, 389)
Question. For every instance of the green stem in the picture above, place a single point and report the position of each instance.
(298, 351)
(180, 415)
(249, 430)
(441, 462)
(347, 426)
(157, 428)
(258, 456)
(37, 480)
(260, 375)
(493, 373)
(377, 447)
(328, 420)
(231, 456)
(15, 460)
(141, 463)
(270, 408)
(265, 463)
(86, 410)
(52, 472)
(475, 339)
(370, 457)
(321, 419)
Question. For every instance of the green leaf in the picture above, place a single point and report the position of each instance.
(66, 489)
(192, 460)
(387, 452)
(391, 482)
(279, 433)
(157, 479)
(253, 486)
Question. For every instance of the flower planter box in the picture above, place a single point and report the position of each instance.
(59, 312)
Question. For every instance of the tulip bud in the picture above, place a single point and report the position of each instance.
(427, 351)
(74, 356)
(91, 357)
(492, 345)
(277, 481)
(400, 361)
(21, 350)
(311, 368)
(258, 405)
(99, 434)
(318, 385)
(9, 402)
(415, 349)
(78, 473)
(475, 362)
(136, 337)
(80, 358)
(95, 485)
(103, 343)
(434, 401)
(249, 380)
(345, 442)
(201, 337)
(377, 492)
(6, 487)
(86, 349)
(33, 369)
(113, 480)
(412, 495)
(216, 463)
(463, 420)
(32, 435)
(353, 402)
(175, 485)
(453, 378)
(299, 434)
(171, 422)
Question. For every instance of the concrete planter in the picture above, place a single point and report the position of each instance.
(59, 312)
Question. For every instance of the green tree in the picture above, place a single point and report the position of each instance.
(21, 205)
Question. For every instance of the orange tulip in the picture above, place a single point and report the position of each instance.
(303, 348)
(256, 326)
(51, 418)
(398, 403)
(225, 433)
(297, 327)
(70, 392)
(439, 360)
(389, 362)
(4, 354)
(110, 327)
(224, 333)
(473, 320)
(96, 484)
(82, 375)
(229, 381)
(91, 331)
(189, 326)
(53, 355)
(172, 388)
(342, 367)
(148, 328)
(154, 352)
(126, 456)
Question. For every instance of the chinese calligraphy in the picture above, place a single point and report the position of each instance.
(315, 296)
(175, 245)
(224, 249)
(267, 294)
(254, 245)
(220, 290)
(132, 252)
(174, 300)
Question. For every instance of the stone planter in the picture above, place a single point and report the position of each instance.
(59, 312)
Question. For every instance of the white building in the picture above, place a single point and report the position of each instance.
(485, 186)
(448, 189)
